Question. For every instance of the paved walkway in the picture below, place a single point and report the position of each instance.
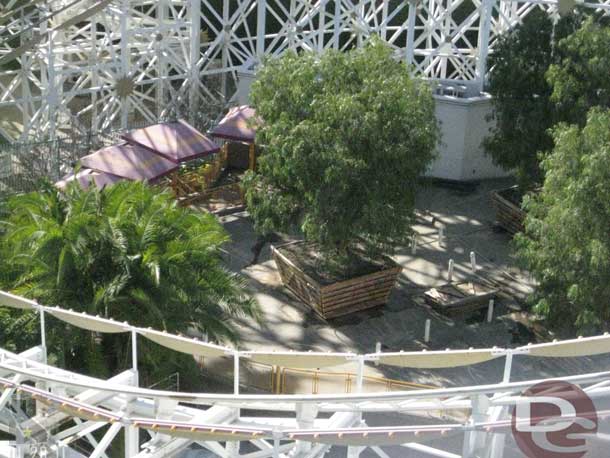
(468, 219)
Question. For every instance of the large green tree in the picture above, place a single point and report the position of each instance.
(128, 252)
(580, 77)
(346, 137)
(543, 72)
(523, 110)
(566, 244)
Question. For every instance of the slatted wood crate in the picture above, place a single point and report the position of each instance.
(460, 298)
(340, 298)
(510, 217)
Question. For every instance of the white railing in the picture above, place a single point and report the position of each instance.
(120, 403)
(306, 360)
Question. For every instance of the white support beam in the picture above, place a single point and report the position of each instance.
(283, 450)
(261, 20)
(106, 440)
(8, 392)
(483, 42)
(125, 60)
(379, 452)
(86, 433)
(81, 429)
(430, 450)
(167, 449)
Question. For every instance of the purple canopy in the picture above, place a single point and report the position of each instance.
(176, 141)
(87, 176)
(235, 125)
(129, 161)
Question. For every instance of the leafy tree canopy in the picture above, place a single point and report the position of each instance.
(346, 137)
(567, 240)
(128, 252)
(580, 79)
(521, 94)
(543, 73)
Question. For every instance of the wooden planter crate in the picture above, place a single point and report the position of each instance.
(340, 298)
(510, 217)
(460, 298)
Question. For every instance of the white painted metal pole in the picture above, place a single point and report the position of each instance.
(377, 350)
(355, 451)
(414, 244)
(490, 311)
(473, 261)
(508, 367)
(134, 354)
(441, 235)
(360, 374)
(234, 447)
(427, 331)
(43, 334)
(276, 448)
(450, 271)
(236, 372)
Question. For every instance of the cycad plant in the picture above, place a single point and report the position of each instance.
(128, 252)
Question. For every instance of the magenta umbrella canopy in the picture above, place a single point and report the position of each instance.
(176, 141)
(86, 177)
(129, 161)
(234, 126)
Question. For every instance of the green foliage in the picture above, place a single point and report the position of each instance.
(128, 252)
(580, 79)
(542, 74)
(521, 95)
(567, 240)
(346, 137)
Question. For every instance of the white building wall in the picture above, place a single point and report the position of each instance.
(463, 124)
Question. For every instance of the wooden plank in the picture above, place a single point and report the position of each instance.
(342, 284)
(355, 308)
(297, 281)
(509, 215)
(302, 289)
(288, 262)
(329, 301)
(349, 305)
(389, 275)
(460, 298)
(343, 297)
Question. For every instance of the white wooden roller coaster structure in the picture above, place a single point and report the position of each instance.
(71, 407)
(86, 66)
(69, 66)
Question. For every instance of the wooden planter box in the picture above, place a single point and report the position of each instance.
(340, 298)
(509, 216)
(460, 298)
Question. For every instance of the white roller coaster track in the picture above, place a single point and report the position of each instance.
(71, 407)
(92, 65)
